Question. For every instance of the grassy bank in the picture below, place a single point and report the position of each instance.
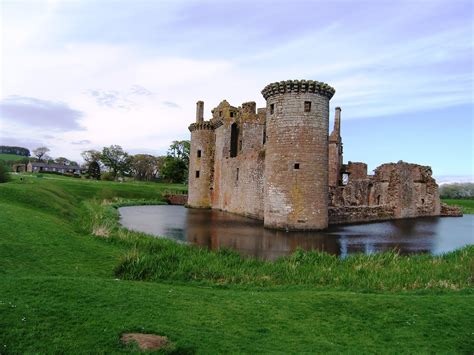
(62, 289)
(467, 205)
(11, 157)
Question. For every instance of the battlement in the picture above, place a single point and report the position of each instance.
(204, 125)
(298, 86)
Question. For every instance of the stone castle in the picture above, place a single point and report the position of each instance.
(278, 164)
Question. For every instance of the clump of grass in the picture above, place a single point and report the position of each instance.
(377, 272)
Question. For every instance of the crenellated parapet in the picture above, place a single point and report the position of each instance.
(298, 86)
(204, 125)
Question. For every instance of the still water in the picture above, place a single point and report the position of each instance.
(215, 229)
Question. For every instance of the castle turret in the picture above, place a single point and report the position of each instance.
(335, 152)
(201, 160)
(296, 155)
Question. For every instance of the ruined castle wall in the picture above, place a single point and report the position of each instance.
(356, 170)
(238, 181)
(296, 166)
(222, 147)
(241, 189)
(359, 214)
(411, 190)
(334, 166)
(335, 152)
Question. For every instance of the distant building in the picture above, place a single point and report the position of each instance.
(34, 167)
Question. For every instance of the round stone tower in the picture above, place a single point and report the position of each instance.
(201, 160)
(296, 155)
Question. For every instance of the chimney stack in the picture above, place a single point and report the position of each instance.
(199, 111)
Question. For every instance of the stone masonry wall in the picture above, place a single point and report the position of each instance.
(359, 214)
(202, 141)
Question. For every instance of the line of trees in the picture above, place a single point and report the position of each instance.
(457, 190)
(113, 163)
(6, 149)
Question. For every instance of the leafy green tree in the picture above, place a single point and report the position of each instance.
(175, 164)
(93, 170)
(180, 150)
(145, 166)
(116, 159)
(91, 155)
(174, 170)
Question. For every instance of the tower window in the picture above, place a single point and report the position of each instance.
(199, 153)
(220, 113)
(197, 174)
(307, 106)
(237, 175)
(297, 166)
(231, 114)
(272, 109)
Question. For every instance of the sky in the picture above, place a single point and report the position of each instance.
(79, 75)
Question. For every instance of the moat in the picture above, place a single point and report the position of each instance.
(215, 229)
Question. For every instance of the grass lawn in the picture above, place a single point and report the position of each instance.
(11, 157)
(467, 205)
(64, 290)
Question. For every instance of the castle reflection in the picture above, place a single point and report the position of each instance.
(215, 229)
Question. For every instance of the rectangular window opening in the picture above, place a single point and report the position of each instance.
(237, 175)
(307, 106)
(297, 166)
(199, 153)
(197, 174)
(231, 114)
(272, 109)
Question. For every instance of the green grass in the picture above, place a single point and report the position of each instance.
(11, 157)
(467, 205)
(60, 293)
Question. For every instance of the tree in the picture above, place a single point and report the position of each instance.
(145, 166)
(91, 155)
(180, 150)
(174, 170)
(175, 165)
(41, 153)
(93, 170)
(116, 159)
(14, 150)
(62, 161)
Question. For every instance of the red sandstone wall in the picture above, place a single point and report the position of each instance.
(202, 138)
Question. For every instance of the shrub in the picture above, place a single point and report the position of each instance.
(108, 176)
(4, 175)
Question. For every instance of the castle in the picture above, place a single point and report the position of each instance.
(278, 164)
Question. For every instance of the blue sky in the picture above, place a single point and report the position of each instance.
(78, 75)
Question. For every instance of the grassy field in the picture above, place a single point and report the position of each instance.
(467, 205)
(62, 289)
(11, 157)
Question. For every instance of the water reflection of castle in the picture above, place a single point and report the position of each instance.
(216, 230)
